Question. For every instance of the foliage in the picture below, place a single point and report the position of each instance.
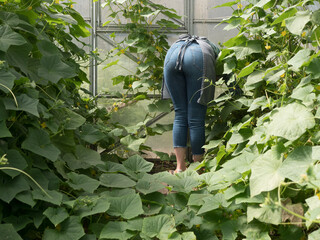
(269, 135)
(145, 25)
(47, 129)
(262, 178)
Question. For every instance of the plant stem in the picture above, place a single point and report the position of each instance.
(18, 170)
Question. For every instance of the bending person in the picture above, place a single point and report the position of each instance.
(189, 70)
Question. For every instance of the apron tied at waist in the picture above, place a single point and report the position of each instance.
(188, 39)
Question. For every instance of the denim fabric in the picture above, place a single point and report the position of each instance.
(184, 87)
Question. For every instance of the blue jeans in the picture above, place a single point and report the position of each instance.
(184, 87)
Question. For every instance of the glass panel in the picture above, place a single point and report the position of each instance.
(203, 9)
(135, 113)
(178, 5)
(161, 143)
(83, 7)
(214, 32)
(124, 66)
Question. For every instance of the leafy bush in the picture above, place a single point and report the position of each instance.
(269, 151)
(262, 178)
(46, 127)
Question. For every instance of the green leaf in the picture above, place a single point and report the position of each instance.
(297, 23)
(160, 106)
(265, 174)
(212, 144)
(115, 167)
(116, 230)
(53, 69)
(160, 226)
(147, 187)
(315, 235)
(111, 64)
(48, 48)
(185, 184)
(69, 229)
(305, 93)
(299, 59)
(255, 77)
(261, 3)
(8, 232)
(69, 119)
(297, 163)
(82, 182)
(234, 190)
(184, 236)
(274, 76)
(141, 96)
(54, 196)
(59, 16)
(18, 222)
(213, 202)
(291, 232)
(10, 18)
(230, 229)
(188, 236)
(315, 17)
(6, 79)
(138, 164)
(4, 131)
(118, 79)
(56, 215)
(228, 4)
(247, 48)
(289, 12)
(167, 24)
(3, 112)
(91, 205)
(288, 124)
(313, 68)
(241, 163)
(233, 22)
(83, 158)
(128, 206)
(116, 180)
(313, 212)
(265, 213)
(25, 103)
(132, 142)
(171, 14)
(255, 230)
(8, 38)
(80, 31)
(248, 69)
(143, 67)
(15, 160)
(240, 136)
(260, 102)
(151, 14)
(196, 199)
(10, 188)
(26, 197)
(91, 134)
(135, 224)
(159, 129)
(38, 142)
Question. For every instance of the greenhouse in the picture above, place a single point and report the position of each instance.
(155, 119)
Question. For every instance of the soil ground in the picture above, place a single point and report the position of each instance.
(161, 166)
